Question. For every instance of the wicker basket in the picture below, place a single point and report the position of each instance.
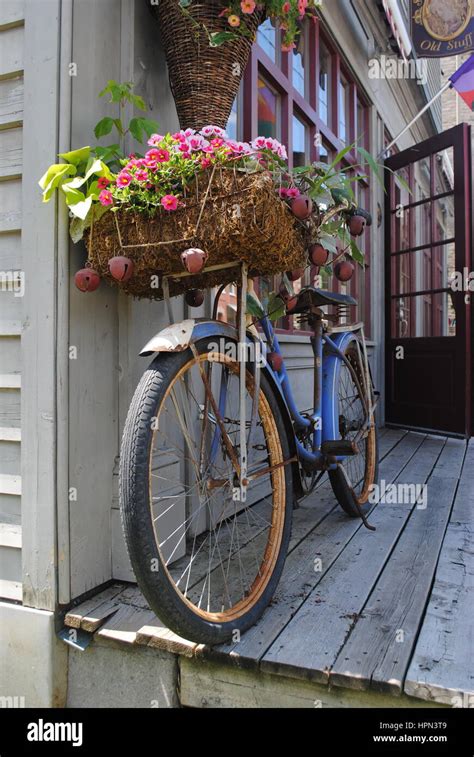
(204, 80)
(234, 217)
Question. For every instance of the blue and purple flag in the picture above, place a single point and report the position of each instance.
(463, 82)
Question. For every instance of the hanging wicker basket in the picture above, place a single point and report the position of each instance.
(204, 80)
(234, 217)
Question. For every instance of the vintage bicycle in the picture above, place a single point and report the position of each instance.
(215, 454)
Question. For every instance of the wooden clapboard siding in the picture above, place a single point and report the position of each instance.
(11, 102)
(11, 147)
(11, 153)
(12, 13)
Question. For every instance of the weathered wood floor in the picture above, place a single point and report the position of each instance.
(359, 618)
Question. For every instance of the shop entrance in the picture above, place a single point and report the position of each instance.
(428, 302)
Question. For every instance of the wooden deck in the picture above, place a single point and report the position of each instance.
(359, 618)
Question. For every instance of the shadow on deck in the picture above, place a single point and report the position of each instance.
(359, 618)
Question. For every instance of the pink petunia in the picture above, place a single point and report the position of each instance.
(205, 162)
(103, 182)
(293, 192)
(141, 175)
(213, 131)
(283, 192)
(124, 179)
(233, 20)
(169, 202)
(155, 139)
(151, 165)
(302, 5)
(105, 197)
(286, 8)
(258, 143)
(247, 6)
(217, 142)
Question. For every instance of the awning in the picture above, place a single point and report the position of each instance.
(398, 27)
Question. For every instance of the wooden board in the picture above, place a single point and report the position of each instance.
(10, 484)
(206, 684)
(441, 669)
(11, 590)
(11, 102)
(378, 651)
(11, 43)
(10, 535)
(10, 206)
(124, 625)
(310, 643)
(93, 611)
(11, 153)
(326, 541)
(11, 12)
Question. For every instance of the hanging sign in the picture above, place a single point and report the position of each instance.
(441, 28)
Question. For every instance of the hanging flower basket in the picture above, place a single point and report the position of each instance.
(204, 76)
(232, 216)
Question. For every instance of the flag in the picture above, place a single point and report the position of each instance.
(463, 82)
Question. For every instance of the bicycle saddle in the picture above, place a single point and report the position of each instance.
(312, 297)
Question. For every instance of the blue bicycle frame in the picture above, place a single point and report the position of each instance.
(324, 418)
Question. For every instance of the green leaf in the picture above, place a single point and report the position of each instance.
(328, 242)
(79, 225)
(76, 156)
(139, 102)
(276, 307)
(254, 307)
(73, 196)
(103, 127)
(372, 163)
(81, 209)
(54, 177)
(149, 126)
(136, 129)
(219, 38)
(340, 155)
(356, 253)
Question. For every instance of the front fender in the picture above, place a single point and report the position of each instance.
(177, 338)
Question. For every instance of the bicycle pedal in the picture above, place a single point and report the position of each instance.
(340, 448)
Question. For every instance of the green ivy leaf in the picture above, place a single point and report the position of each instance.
(76, 156)
(219, 38)
(81, 209)
(53, 177)
(104, 127)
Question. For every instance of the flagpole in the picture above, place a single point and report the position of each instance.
(418, 115)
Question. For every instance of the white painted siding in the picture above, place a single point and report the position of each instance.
(11, 147)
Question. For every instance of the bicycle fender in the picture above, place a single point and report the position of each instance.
(331, 372)
(177, 338)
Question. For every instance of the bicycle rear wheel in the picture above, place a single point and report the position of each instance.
(207, 563)
(352, 480)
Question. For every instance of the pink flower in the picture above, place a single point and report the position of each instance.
(159, 156)
(233, 20)
(141, 175)
(293, 192)
(205, 162)
(248, 6)
(155, 139)
(105, 197)
(286, 8)
(302, 5)
(151, 165)
(287, 48)
(217, 142)
(124, 179)
(283, 192)
(169, 202)
(184, 147)
(213, 131)
(103, 182)
(259, 143)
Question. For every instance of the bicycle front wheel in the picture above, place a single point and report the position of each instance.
(353, 479)
(207, 563)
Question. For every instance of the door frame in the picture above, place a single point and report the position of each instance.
(460, 138)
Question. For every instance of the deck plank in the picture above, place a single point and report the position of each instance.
(378, 650)
(91, 611)
(299, 577)
(441, 669)
(124, 625)
(309, 645)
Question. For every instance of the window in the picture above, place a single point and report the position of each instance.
(324, 89)
(291, 99)
(267, 110)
